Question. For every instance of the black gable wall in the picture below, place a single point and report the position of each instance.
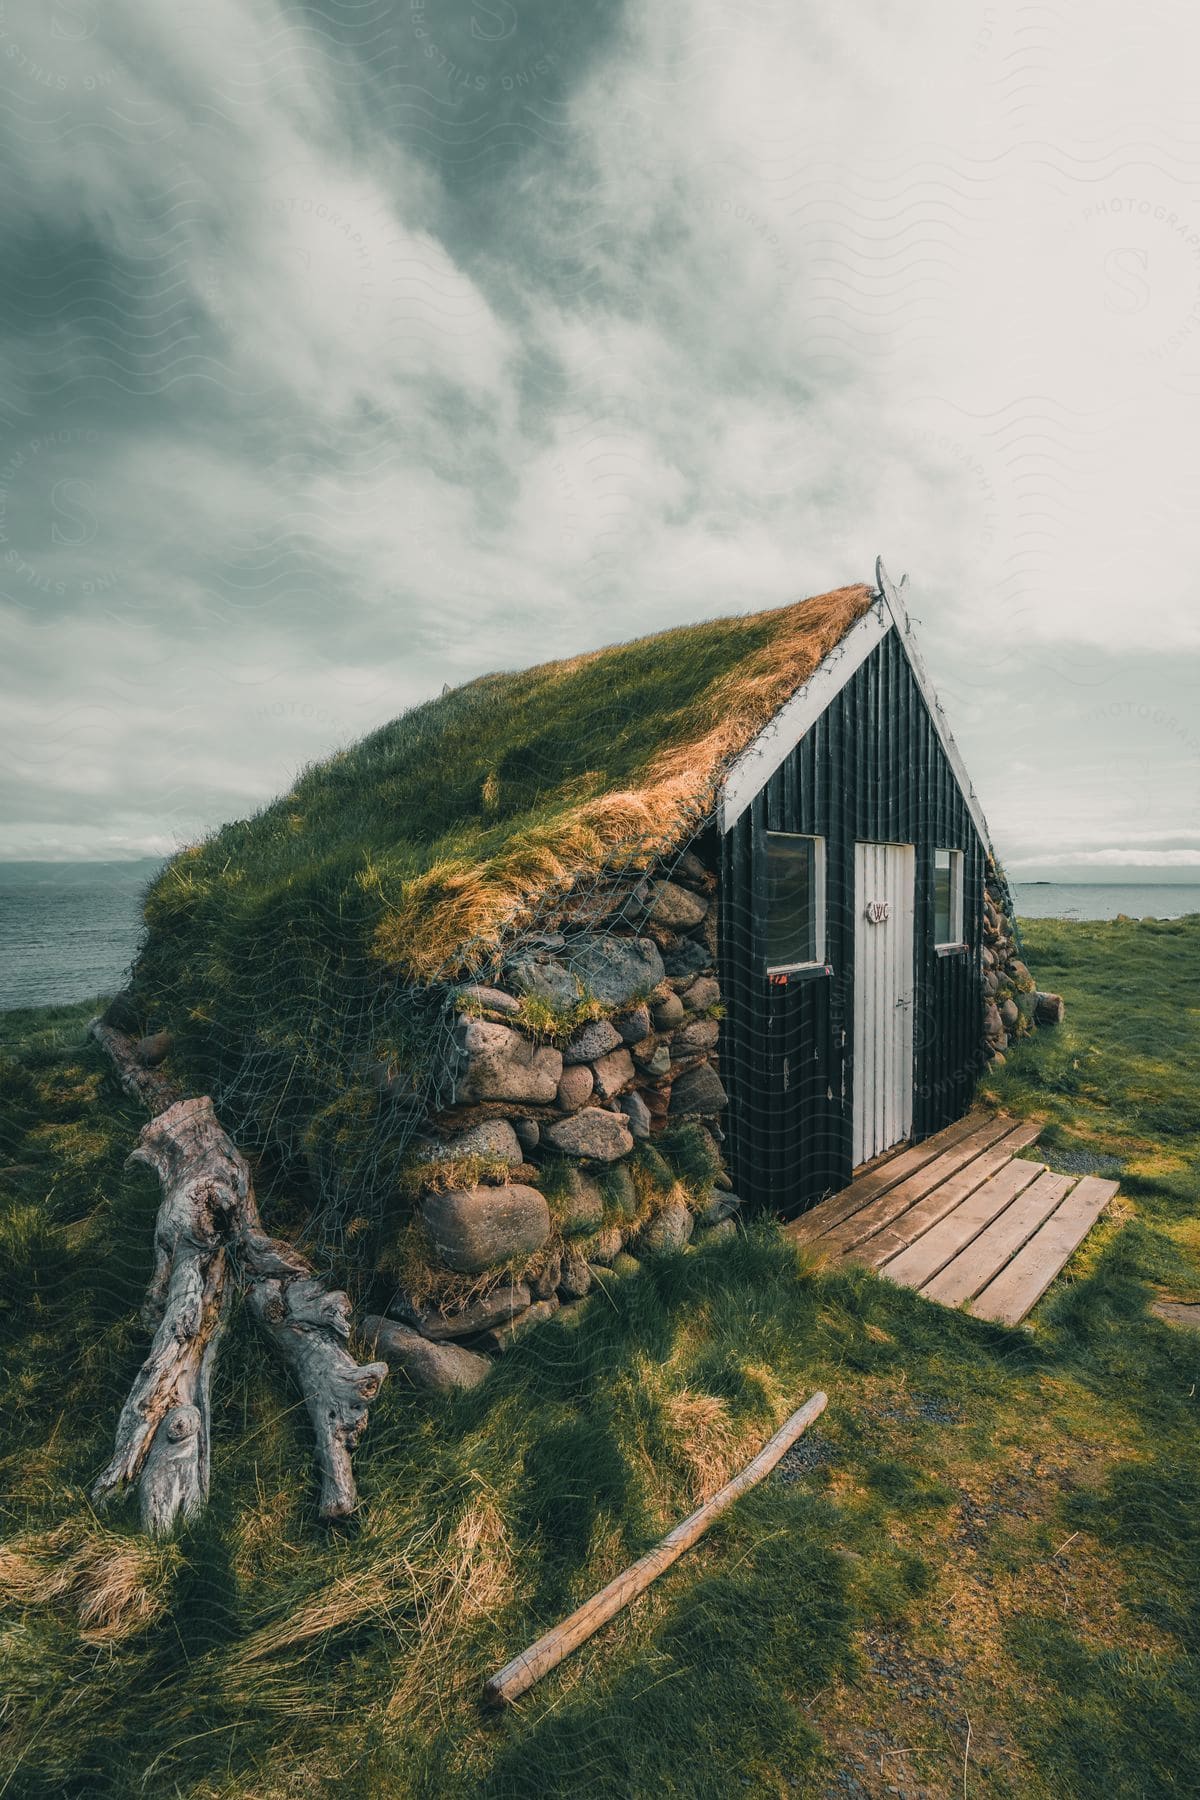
(870, 768)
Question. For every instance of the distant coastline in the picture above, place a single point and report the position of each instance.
(1105, 899)
(70, 930)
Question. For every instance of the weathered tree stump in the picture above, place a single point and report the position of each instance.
(163, 1433)
(208, 1229)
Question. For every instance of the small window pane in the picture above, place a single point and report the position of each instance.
(947, 896)
(791, 899)
(941, 896)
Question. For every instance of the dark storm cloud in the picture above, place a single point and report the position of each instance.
(350, 349)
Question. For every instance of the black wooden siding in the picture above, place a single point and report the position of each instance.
(870, 769)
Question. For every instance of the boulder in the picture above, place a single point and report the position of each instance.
(600, 1249)
(620, 1192)
(503, 1337)
(154, 1049)
(698, 1090)
(638, 1114)
(696, 1038)
(603, 1136)
(634, 1025)
(668, 1230)
(658, 1103)
(689, 867)
(491, 1309)
(708, 931)
(704, 992)
(543, 976)
(668, 1012)
(491, 1137)
(473, 1229)
(575, 1088)
(686, 960)
(1009, 1014)
(544, 1285)
(612, 1073)
(527, 1133)
(678, 908)
(595, 1039)
(719, 1205)
(615, 970)
(714, 1150)
(993, 1024)
(713, 1234)
(655, 1060)
(581, 1207)
(493, 998)
(575, 1278)
(624, 1264)
(434, 1368)
(503, 1065)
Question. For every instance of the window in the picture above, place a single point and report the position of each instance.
(947, 898)
(795, 900)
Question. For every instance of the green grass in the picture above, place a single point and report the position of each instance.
(296, 953)
(999, 1527)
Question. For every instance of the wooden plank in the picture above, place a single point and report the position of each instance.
(971, 1270)
(517, 1676)
(886, 1172)
(909, 1226)
(1018, 1288)
(897, 1200)
(935, 1248)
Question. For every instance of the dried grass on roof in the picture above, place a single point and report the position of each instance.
(456, 903)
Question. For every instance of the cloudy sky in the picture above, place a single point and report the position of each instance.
(354, 348)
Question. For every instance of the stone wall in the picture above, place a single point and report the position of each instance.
(585, 1130)
(1013, 1006)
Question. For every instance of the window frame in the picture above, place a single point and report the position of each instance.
(817, 960)
(957, 873)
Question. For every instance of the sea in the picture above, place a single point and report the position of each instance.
(69, 930)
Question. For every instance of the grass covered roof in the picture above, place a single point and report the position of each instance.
(291, 952)
(462, 816)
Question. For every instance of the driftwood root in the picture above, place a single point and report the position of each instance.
(208, 1229)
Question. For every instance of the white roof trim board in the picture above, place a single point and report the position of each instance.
(894, 601)
(753, 768)
(750, 771)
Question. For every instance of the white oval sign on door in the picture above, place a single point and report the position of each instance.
(878, 911)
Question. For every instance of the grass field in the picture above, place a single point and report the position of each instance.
(976, 1575)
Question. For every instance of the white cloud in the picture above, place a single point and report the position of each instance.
(766, 295)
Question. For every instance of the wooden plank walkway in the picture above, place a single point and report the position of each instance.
(961, 1218)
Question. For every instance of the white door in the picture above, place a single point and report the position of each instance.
(883, 997)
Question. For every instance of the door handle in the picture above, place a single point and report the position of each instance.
(904, 1003)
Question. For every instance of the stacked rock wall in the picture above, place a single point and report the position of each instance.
(585, 1129)
(1013, 1006)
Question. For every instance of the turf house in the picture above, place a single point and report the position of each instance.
(570, 966)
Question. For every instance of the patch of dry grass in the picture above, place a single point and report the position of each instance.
(460, 901)
(116, 1585)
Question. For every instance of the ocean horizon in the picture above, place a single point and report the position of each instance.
(69, 931)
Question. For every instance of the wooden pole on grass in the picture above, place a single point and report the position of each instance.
(518, 1676)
